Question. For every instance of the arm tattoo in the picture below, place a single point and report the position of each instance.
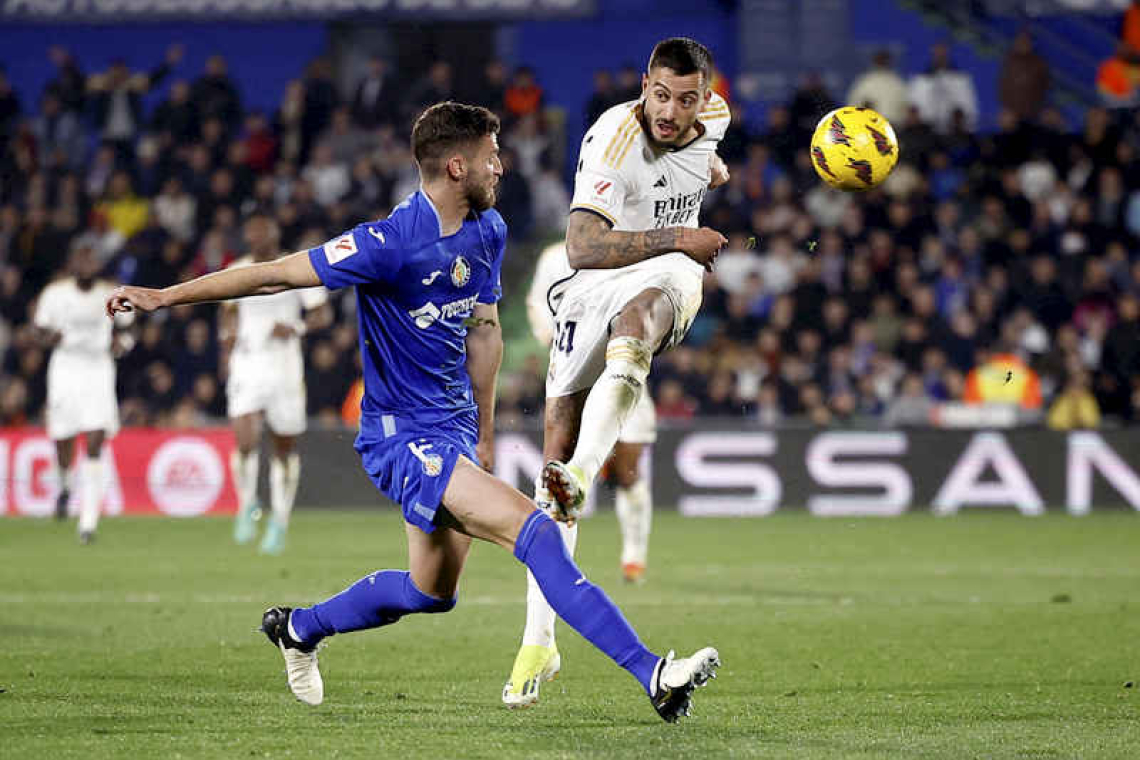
(593, 245)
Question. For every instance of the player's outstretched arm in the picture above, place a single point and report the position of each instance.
(484, 357)
(591, 243)
(286, 273)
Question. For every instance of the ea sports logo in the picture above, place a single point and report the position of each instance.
(460, 272)
(185, 477)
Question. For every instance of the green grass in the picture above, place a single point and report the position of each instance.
(980, 636)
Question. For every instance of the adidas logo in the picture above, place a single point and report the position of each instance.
(661, 182)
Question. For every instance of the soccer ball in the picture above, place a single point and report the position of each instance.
(854, 148)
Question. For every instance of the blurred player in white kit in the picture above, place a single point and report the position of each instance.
(71, 318)
(261, 335)
(633, 499)
(639, 253)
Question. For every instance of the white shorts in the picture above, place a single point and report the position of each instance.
(262, 386)
(587, 307)
(81, 396)
(641, 425)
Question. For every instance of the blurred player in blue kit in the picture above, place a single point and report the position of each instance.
(427, 281)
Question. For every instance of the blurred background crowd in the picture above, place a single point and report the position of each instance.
(994, 265)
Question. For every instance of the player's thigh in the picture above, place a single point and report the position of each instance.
(283, 445)
(247, 430)
(285, 410)
(436, 559)
(626, 462)
(578, 352)
(94, 440)
(561, 424)
(482, 506)
(649, 315)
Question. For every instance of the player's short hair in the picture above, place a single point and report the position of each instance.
(445, 127)
(684, 56)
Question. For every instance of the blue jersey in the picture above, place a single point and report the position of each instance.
(415, 290)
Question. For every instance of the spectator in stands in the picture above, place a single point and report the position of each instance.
(1075, 407)
(881, 88)
(436, 86)
(176, 118)
(9, 110)
(115, 99)
(603, 97)
(628, 83)
(942, 90)
(214, 94)
(60, 140)
(1023, 84)
(69, 84)
(524, 96)
(125, 211)
(492, 90)
(810, 102)
(374, 95)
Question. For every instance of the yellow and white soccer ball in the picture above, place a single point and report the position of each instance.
(854, 148)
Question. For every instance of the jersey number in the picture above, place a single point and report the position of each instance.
(565, 342)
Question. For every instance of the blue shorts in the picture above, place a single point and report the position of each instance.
(411, 461)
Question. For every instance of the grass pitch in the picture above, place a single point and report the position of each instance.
(980, 636)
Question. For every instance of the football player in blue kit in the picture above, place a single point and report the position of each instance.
(427, 281)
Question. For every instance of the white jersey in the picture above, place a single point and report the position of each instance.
(553, 265)
(81, 372)
(623, 178)
(258, 314)
(80, 316)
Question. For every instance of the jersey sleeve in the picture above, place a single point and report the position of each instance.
(47, 311)
(367, 253)
(599, 186)
(492, 289)
(716, 117)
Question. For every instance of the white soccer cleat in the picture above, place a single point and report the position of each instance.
(567, 486)
(301, 668)
(674, 682)
(534, 665)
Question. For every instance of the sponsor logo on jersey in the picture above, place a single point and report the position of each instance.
(378, 235)
(460, 272)
(428, 314)
(432, 277)
(603, 189)
(677, 210)
(340, 248)
(660, 182)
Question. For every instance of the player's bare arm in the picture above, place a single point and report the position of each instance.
(718, 172)
(484, 356)
(286, 273)
(591, 243)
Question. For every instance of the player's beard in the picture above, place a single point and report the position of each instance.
(480, 197)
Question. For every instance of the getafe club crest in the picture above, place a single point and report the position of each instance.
(460, 272)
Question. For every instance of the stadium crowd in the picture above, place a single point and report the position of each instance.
(990, 266)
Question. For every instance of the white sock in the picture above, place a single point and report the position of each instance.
(64, 478)
(91, 475)
(610, 402)
(283, 479)
(635, 516)
(244, 469)
(540, 616)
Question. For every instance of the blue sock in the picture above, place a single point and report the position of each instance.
(381, 598)
(584, 606)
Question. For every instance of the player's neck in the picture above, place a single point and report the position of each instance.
(450, 204)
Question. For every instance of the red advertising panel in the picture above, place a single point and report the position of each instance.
(163, 472)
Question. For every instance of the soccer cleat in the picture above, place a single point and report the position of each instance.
(300, 661)
(633, 572)
(61, 504)
(87, 537)
(533, 665)
(245, 526)
(675, 680)
(567, 485)
(273, 542)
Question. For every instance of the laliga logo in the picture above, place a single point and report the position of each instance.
(185, 477)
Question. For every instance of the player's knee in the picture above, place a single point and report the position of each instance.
(418, 601)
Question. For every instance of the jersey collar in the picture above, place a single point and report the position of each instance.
(434, 210)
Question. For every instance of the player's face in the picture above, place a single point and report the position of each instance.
(672, 103)
(483, 172)
(261, 236)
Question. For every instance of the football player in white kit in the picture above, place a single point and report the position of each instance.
(639, 253)
(71, 318)
(262, 337)
(634, 499)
